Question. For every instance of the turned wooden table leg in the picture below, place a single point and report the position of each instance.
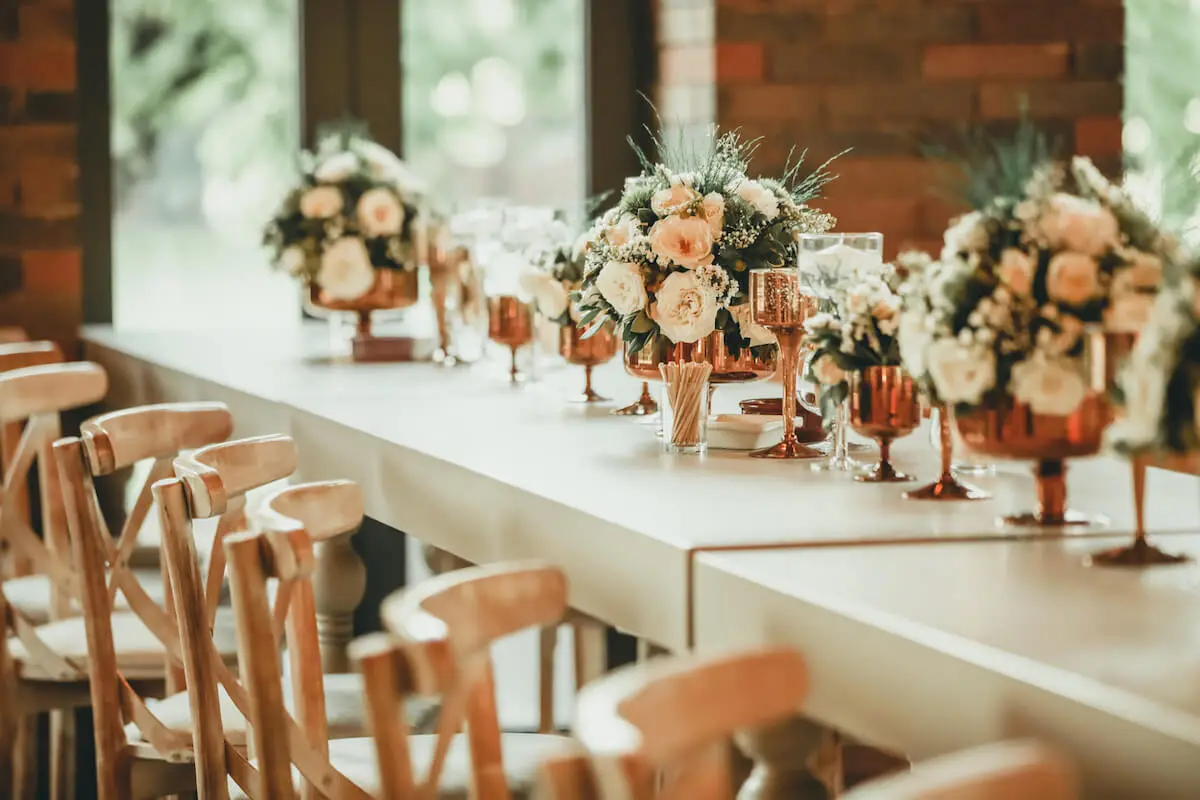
(794, 759)
(339, 583)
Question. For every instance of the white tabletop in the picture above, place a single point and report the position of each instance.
(936, 647)
(462, 460)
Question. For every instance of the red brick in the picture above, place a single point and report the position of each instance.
(883, 61)
(739, 62)
(48, 188)
(39, 65)
(936, 213)
(1051, 99)
(21, 142)
(907, 101)
(1041, 21)
(1098, 136)
(783, 102)
(886, 177)
(46, 22)
(52, 271)
(996, 61)
(949, 23)
(693, 64)
(889, 215)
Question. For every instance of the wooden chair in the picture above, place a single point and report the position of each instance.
(440, 633)
(46, 672)
(143, 748)
(678, 715)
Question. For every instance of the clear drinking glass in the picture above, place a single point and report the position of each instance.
(828, 260)
(965, 462)
(685, 429)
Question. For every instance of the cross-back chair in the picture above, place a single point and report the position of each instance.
(45, 676)
(140, 743)
(662, 730)
(438, 642)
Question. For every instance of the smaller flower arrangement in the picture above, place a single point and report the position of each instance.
(1003, 312)
(554, 276)
(357, 209)
(673, 258)
(1159, 387)
(858, 330)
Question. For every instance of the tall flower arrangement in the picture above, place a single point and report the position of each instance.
(1159, 387)
(673, 257)
(1003, 312)
(356, 209)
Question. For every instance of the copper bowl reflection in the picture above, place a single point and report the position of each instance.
(711, 349)
(393, 288)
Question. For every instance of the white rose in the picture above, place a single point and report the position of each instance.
(827, 372)
(346, 271)
(623, 231)
(547, 292)
(621, 284)
(713, 210)
(961, 373)
(914, 338)
(292, 260)
(685, 241)
(966, 234)
(1016, 271)
(760, 198)
(665, 201)
(1072, 278)
(380, 213)
(757, 334)
(1073, 223)
(1054, 386)
(336, 168)
(685, 310)
(1128, 313)
(321, 202)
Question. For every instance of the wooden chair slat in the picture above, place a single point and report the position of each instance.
(50, 389)
(121, 438)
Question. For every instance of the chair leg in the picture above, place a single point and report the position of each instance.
(591, 650)
(547, 643)
(25, 761)
(62, 754)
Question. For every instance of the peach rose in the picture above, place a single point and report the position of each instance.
(1145, 272)
(686, 241)
(380, 213)
(827, 372)
(1128, 313)
(685, 310)
(1073, 278)
(665, 201)
(622, 232)
(713, 211)
(1016, 271)
(321, 202)
(1081, 225)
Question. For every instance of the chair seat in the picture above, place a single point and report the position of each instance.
(30, 594)
(523, 754)
(344, 712)
(140, 655)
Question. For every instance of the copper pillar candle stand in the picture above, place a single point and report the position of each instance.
(1140, 553)
(393, 289)
(947, 487)
(510, 323)
(1013, 430)
(884, 405)
(587, 352)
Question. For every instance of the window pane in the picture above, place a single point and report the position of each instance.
(205, 128)
(1162, 108)
(493, 98)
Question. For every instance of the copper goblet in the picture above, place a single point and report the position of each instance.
(947, 487)
(777, 304)
(884, 405)
(510, 323)
(1140, 553)
(587, 352)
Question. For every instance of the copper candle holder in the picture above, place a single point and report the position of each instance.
(777, 304)
(947, 487)
(884, 405)
(1140, 553)
(510, 323)
(589, 353)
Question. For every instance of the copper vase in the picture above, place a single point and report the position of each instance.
(588, 353)
(510, 323)
(1140, 553)
(884, 405)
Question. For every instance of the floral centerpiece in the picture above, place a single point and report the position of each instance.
(1002, 314)
(555, 273)
(355, 213)
(1159, 387)
(673, 257)
(858, 330)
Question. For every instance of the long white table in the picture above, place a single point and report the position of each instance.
(935, 647)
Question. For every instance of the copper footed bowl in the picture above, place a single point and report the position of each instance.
(711, 349)
(393, 288)
(597, 349)
(1014, 431)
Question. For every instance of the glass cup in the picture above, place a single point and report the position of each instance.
(828, 260)
(685, 424)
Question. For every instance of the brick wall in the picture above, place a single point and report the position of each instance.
(888, 78)
(40, 264)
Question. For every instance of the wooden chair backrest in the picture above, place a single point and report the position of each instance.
(10, 334)
(279, 548)
(439, 639)
(1002, 771)
(18, 355)
(676, 714)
